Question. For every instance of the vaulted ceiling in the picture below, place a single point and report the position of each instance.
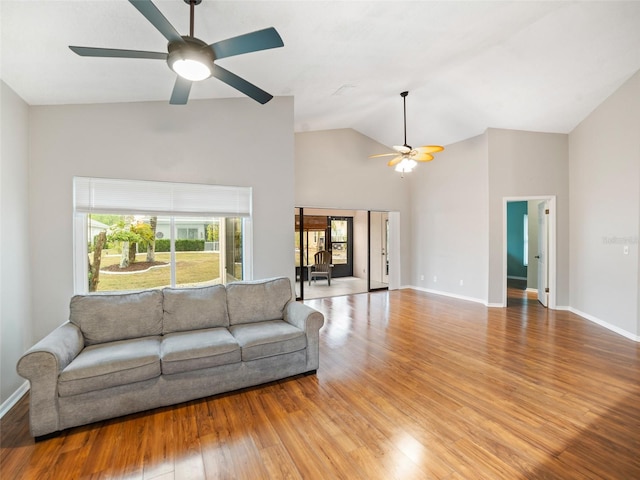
(540, 66)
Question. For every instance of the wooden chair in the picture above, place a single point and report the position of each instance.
(321, 267)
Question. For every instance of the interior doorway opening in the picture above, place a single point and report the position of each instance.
(350, 237)
(529, 251)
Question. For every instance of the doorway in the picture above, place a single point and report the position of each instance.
(529, 250)
(349, 236)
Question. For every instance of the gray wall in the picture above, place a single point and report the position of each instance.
(227, 142)
(333, 170)
(450, 219)
(604, 162)
(457, 201)
(527, 164)
(15, 288)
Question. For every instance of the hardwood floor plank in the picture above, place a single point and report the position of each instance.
(279, 464)
(410, 386)
(160, 447)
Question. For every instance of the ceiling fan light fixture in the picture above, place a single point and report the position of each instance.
(191, 59)
(406, 165)
(190, 69)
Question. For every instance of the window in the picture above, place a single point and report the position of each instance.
(139, 235)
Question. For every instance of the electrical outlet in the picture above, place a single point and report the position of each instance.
(461, 283)
(435, 279)
(625, 249)
(421, 277)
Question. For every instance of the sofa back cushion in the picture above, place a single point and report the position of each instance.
(194, 308)
(109, 317)
(258, 301)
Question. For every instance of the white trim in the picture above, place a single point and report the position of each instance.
(535, 290)
(516, 278)
(447, 294)
(552, 245)
(608, 326)
(247, 248)
(80, 254)
(14, 398)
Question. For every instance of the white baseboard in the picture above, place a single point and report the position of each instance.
(532, 290)
(448, 294)
(516, 278)
(13, 399)
(606, 325)
(563, 307)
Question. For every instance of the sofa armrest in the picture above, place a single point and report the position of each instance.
(310, 320)
(41, 365)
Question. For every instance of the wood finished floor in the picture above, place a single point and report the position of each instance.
(410, 386)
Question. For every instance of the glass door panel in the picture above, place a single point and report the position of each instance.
(341, 229)
(339, 241)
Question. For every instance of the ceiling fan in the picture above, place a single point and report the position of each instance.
(191, 58)
(405, 156)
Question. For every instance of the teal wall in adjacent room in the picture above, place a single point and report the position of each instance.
(515, 239)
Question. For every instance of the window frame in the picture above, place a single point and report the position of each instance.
(199, 192)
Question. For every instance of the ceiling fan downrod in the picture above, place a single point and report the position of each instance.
(404, 101)
(192, 8)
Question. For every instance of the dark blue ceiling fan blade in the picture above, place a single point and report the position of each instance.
(249, 42)
(181, 90)
(117, 53)
(241, 85)
(151, 13)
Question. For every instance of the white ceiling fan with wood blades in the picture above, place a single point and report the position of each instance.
(405, 156)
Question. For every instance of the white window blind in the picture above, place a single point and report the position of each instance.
(105, 195)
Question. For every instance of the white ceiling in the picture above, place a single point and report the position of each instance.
(540, 66)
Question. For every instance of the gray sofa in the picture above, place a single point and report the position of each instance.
(125, 353)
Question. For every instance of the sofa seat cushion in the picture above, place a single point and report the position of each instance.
(186, 351)
(266, 339)
(111, 364)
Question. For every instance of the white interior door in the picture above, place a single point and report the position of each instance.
(393, 251)
(543, 247)
(375, 245)
(384, 234)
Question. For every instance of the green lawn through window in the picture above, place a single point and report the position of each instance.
(192, 268)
